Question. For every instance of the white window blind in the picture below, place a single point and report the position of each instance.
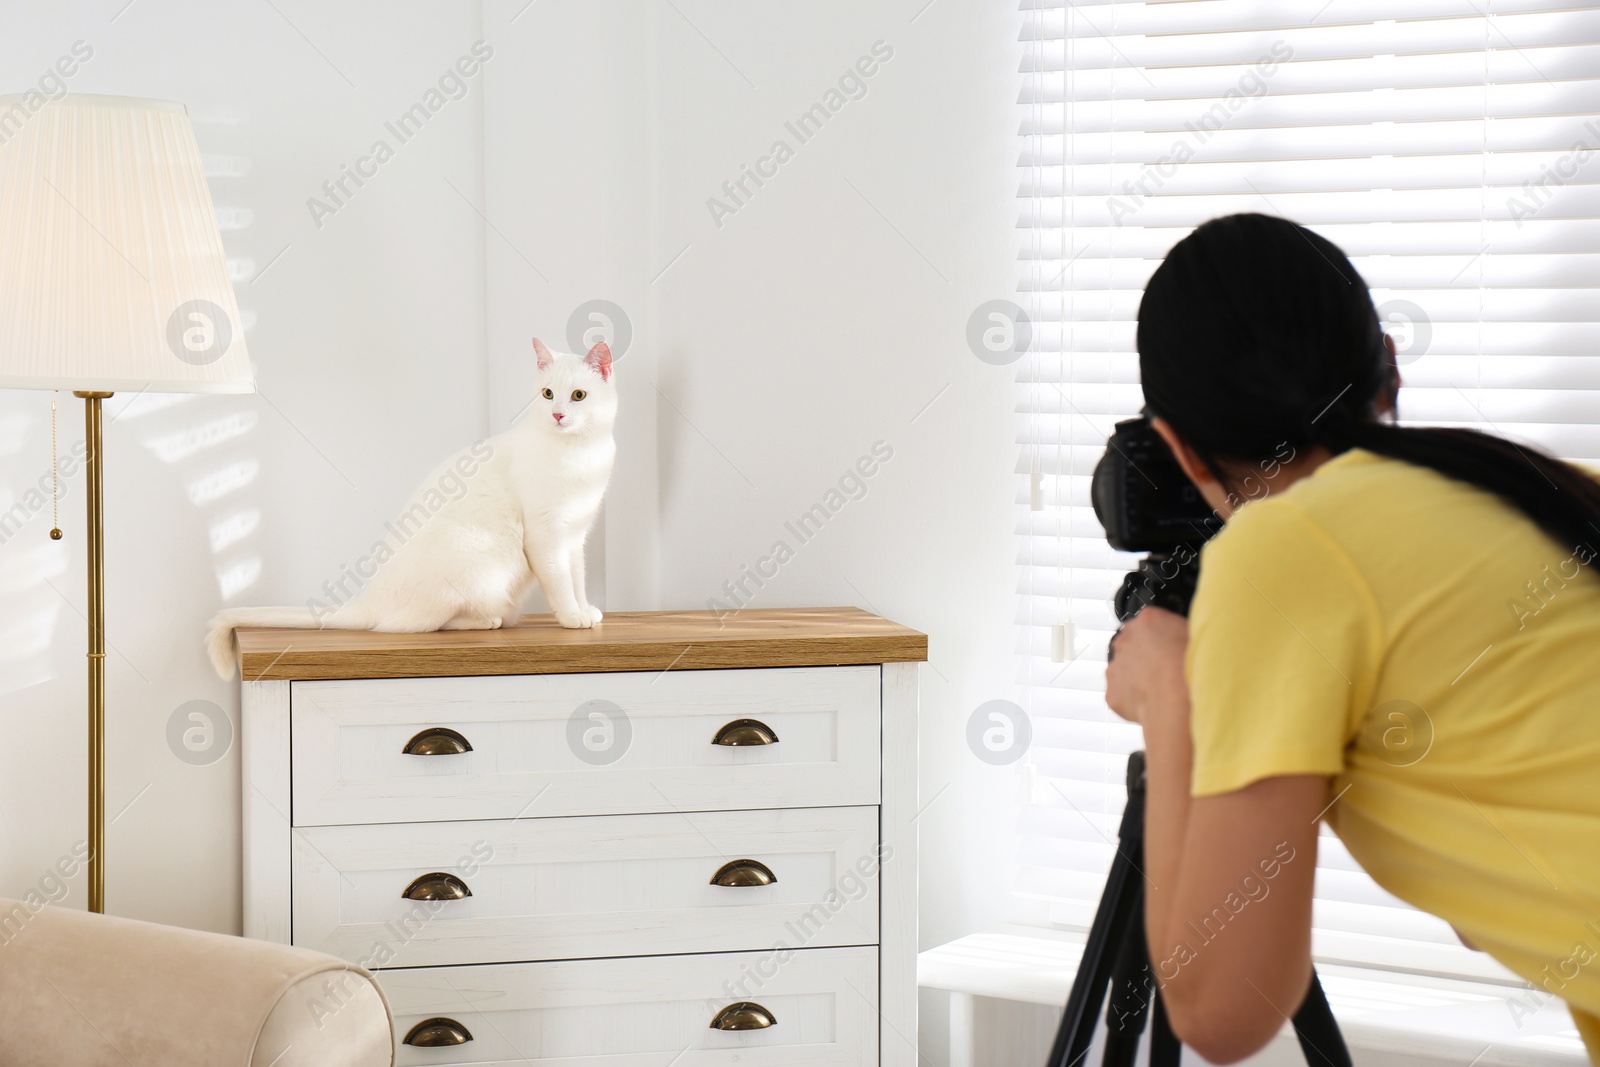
(1451, 147)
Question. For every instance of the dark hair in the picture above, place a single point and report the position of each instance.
(1256, 333)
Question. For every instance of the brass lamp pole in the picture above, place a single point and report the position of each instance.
(94, 471)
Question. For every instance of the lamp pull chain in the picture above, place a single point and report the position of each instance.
(55, 476)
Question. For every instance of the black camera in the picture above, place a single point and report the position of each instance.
(1147, 504)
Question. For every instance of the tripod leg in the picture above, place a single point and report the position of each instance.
(1119, 907)
(1111, 956)
(1319, 1035)
(1131, 992)
(1165, 1048)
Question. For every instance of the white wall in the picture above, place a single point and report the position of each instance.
(368, 341)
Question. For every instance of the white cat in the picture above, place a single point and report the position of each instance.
(464, 561)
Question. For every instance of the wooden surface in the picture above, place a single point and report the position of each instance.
(624, 641)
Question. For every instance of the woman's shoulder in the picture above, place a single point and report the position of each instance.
(1352, 475)
(1360, 492)
(1283, 526)
(1401, 527)
(1352, 505)
(1277, 561)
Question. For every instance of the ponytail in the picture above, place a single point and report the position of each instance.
(1255, 333)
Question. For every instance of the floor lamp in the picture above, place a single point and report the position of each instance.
(112, 279)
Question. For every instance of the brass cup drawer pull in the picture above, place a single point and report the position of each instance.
(437, 741)
(437, 885)
(742, 732)
(739, 873)
(438, 1033)
(743, 1016)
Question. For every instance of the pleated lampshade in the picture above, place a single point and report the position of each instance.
(112, 274)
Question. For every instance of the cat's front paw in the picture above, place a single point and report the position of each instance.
(574, 620)
(592, 613)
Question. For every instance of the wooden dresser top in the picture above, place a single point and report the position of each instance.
(624, 641)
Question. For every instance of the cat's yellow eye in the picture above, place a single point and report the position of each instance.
(578, 394)
(549, 394)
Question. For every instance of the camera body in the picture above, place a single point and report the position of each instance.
(1147, 504)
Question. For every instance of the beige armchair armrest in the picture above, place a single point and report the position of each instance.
(92, 990)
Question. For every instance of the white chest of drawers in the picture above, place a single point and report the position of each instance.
(671, 836)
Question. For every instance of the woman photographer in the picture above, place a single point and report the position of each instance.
(1396, 631)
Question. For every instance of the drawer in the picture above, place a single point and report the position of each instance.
(614, 885)
(646, 1012)
(583, 744)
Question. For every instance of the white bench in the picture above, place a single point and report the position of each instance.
(1387, 1017)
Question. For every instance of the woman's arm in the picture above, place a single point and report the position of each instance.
(1229, 877)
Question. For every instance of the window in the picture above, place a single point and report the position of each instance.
(1449, 146)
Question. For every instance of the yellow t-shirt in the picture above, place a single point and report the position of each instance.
(1434, 651)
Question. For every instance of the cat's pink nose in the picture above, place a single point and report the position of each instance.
(559, 415)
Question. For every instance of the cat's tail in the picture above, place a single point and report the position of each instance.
(219, 642)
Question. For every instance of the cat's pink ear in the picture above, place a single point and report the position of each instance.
(598, 359)
(543, 354)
